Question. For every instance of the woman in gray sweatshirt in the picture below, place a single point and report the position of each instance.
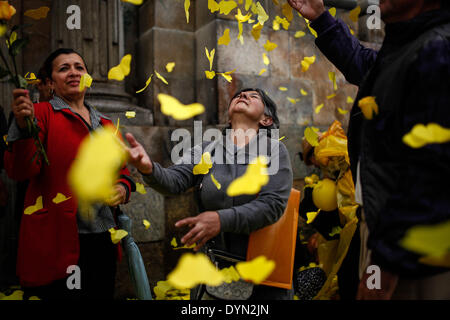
(225, 222)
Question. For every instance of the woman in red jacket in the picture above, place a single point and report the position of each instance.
(55, 238)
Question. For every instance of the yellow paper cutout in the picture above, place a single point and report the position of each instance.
(299, 34)
(225, 38)
(311, 136)
(421, 135)
(170, 106)
(262, 15)
(122, 70)
(282, 88)
(292, 100)
(187, 4)
(174, 243)
(170, 66)
(256, 31)
(286, 10)
(227, 75)
(146, 224)
(37, 206)
(192, 270)
(36, 14)
(262, 71)
(368, 106)
(135, 2)
(266, 59)
(230, 274)
(147, 83)
(225, 7)
(332, 77)
(269, 46)
(331, 96)
(332, 11)
(303, 92)
(210, 74)
(342, 111)
(282, 138)
(213, 6)
(255, 177)
(117, 235)
(160, 77)
(216, 183)
(256, 270)
(210, 56)
(354, 14)
(60, 198)
(130, 114)
(350, 100)
(94, 171)
(311, 216)
(307, 62)
(318, 108)
(85, 81)
(204, 165)
(241, 18)
(140, 188)
(248, 3)
(430, 240)
(31, 78)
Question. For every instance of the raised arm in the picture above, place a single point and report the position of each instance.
(336, 42)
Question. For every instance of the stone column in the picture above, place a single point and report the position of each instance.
(101, 43)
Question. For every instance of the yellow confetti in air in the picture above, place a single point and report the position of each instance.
(37, 206)
(160, 77)
(170, 106)
(269, 46)
(213, 6)
(282, 88)
(170, 66)
(303, 92)
(311, 216)
(255, 177)
(262, 71)
(85, 82)
(282, 138)
(350, 100)
(432, 240)
(421, 135)
(241, 18)
(122, 70)
(230, 274)
(225, 7)
(351, 31)
(210, 74)
(286, 10)
(299, 34)
(368, 106)
(210, 56)
(332, 77)
(94, 171)
(280, 21)
(60, 198)
(256, 31)
(192, 270)
(292, 100)
(307, 62)
(342, 111)
(225, 38)
(187, 4)
(36, 14)
(135, 2)
(354, 14)
(256, 270)
(117, 235)
(147, 83)
(227, 75)
(332, 11)
(331, 96)
(318, 108)
(262, 15)
(130, 114)
(248, 3)
(146, 224)
(174, 243)
(140, 188)
(31, 78)
(204, 165)
(266, 59)
(216, 183)
(313, 32)
(311, 136)
(335, 230)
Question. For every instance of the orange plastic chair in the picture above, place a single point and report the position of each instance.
(277, 242)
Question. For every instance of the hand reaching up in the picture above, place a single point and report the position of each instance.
(309, 9)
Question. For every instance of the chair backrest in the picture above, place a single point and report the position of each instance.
(277, 242)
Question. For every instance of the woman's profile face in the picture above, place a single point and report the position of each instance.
(66, 74)
(248, 104)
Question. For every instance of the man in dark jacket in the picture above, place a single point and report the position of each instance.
(400, 186)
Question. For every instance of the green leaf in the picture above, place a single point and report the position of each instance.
(17, 46)
(23, 83)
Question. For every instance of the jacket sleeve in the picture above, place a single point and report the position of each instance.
(421, 197)
(177, 178)
(269, 206)
(342, 49)
(19, 162)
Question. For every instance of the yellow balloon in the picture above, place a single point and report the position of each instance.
(324, 195)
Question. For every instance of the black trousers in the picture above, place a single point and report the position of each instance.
(97, 264)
